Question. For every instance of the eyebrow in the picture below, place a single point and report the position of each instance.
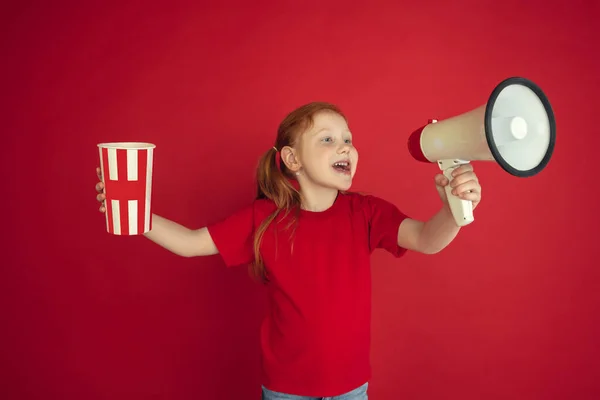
(327, 129)
(319, 131)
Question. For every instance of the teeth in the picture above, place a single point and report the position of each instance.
(341, 164)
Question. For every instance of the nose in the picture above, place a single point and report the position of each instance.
(344, 148)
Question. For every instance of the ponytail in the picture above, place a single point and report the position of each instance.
(273, 183)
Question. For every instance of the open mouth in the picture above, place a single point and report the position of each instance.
(342, 167)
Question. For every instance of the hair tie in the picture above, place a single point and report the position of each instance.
(277, 158)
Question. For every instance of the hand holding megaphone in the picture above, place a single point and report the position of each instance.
(515, 128)
(460, 189)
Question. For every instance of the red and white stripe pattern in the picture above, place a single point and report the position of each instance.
(127, 176)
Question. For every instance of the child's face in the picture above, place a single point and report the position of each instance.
(326, 152)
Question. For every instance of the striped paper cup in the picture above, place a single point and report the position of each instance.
(127, 176)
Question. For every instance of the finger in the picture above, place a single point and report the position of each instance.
(99, 173)
(462, 169)
(101, 197)
(99, 187)
(470, 187)
(471, 196)
(102, 209)
(464, 177)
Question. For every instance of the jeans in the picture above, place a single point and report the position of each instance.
(359, 393)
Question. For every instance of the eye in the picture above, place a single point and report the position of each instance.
(327, 139)
(348, 141)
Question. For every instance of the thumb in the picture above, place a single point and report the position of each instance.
(440, 182)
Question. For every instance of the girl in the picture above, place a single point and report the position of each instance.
(310, 240)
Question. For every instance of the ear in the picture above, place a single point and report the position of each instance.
(290, 158)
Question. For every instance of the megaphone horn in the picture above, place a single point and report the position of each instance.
(516, 128)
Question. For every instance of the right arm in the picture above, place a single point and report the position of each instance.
(176, 238)
(180, 240)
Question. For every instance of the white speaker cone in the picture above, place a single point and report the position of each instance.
(520, 127)
(508, 129)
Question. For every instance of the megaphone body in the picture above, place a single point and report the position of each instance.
(515, 128)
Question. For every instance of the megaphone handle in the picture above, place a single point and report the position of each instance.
(462, 210)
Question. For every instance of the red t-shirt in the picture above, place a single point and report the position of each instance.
(315, 338)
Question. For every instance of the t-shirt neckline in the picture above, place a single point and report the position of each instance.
(326, 212)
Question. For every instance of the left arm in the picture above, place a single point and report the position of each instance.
(428, 237)
(439, 231)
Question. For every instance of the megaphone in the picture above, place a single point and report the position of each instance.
(516, 128)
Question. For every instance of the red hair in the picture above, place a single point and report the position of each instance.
(274, 182)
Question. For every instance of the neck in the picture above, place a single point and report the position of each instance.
(317, 199)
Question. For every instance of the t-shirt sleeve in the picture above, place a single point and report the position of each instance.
(234, 237)
(384, 221)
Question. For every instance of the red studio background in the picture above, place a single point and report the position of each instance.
(508, 311)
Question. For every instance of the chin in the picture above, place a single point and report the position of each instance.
(344, 186)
